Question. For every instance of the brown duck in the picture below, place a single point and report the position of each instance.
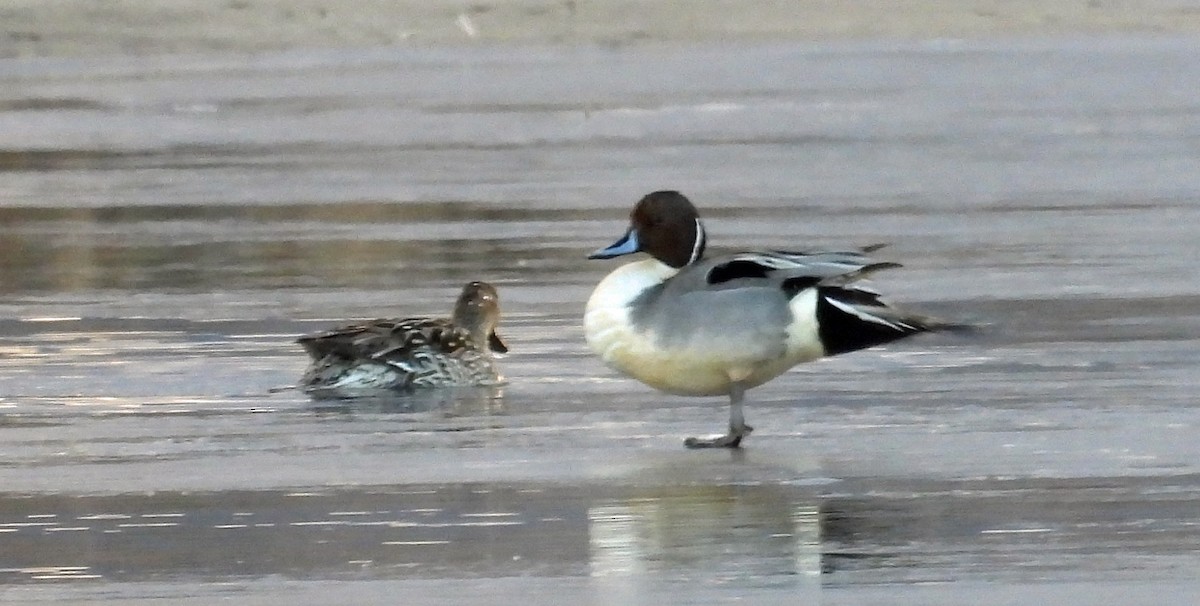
(396, 355)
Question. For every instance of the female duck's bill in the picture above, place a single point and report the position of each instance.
(690, 325)
(396, 355)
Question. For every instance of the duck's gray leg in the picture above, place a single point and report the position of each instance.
(737, 424)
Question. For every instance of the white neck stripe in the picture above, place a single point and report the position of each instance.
(698, 244)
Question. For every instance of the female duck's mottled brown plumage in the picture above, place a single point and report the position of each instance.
(401, 354)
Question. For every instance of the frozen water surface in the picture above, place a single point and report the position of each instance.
(169, 224)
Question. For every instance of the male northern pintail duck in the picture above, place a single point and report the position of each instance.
(396, 355)
(690, 325)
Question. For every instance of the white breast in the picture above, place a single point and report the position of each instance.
(610, 332)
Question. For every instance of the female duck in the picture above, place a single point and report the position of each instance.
(689, 325)
(396, 355)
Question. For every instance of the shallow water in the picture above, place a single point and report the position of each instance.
(169, 225)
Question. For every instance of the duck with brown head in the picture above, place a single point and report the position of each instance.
(395, 355)
(690, 325)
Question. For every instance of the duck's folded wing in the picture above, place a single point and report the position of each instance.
(421, 338)
(336, 340)
(794, 270)
(379, 339)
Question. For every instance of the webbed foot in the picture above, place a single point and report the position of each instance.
(730, 440)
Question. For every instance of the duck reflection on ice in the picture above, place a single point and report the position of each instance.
(448, 402)
(723, 531)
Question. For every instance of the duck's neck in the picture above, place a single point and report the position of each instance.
(627, 282)
(471, 319)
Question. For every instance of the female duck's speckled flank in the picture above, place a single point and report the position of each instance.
(397, 355)
(689, 325)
